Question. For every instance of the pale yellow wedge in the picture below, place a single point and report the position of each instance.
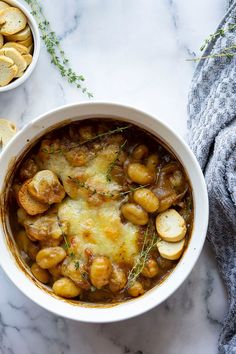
(3, 5)
(20, 36)
(27, 42)
(171, 250)
(8, 70)
(12, 20)
(7, 131)
(21, 48)
(16, 57)
(28, 58)
(1, 40)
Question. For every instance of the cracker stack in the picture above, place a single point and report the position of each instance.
(16, 43)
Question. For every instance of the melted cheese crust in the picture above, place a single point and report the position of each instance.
(94, 172)
(98, 228)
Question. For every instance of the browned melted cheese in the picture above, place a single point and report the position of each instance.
(98, 228)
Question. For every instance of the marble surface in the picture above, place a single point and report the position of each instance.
(132, 52)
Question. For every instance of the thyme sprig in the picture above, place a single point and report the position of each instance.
(131, 190)
(113, 163)
(76, 264)
(148, 243)
(67, 244)
(219, 33)
(101, 135)
(52, 150)
(52, 43)
(227, 52)
(105, 194)
(90, 189)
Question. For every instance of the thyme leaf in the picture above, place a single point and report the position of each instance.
(227, 52)
(131, 190)
(67, 244)
(52, 43)
(219, 33)
(91, 190)
(112, 164)
(76, 265)
(148, 244)
(98, 136)
(105, 194)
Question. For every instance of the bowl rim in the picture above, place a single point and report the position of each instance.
(36, 41)
(146, 302)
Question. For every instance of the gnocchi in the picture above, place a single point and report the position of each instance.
(151, 268)
(117, 280)
(134, 213)
(140, 174)
(49, 257)
(65, 287)
(100, 272)
(41, 274)
(140, 152)
(136, 289)
(147, 199)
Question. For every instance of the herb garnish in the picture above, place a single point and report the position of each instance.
(91, 190)
(53, 47)
(76, 265)
(67, 244)
(226, 52)
(98, 136)
(112, 164)
(52, 150)
(105, 194)
(220, 33)
(131, 190)
(148, 244)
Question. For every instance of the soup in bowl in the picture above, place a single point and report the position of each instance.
(100, 211)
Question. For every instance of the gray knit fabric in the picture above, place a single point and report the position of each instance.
(212, 137)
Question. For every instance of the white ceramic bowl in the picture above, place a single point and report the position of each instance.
(36, 40)
(101, 313)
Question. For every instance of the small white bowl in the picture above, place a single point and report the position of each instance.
(36, 41)
(90, 312)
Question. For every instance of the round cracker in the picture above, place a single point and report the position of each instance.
(28, 58)
(16, 57)
(8, 70)
(21, 48)
(12, 20)
(3, 5)
(20, 36)
(27, 42)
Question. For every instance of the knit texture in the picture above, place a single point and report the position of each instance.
(212, 137)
